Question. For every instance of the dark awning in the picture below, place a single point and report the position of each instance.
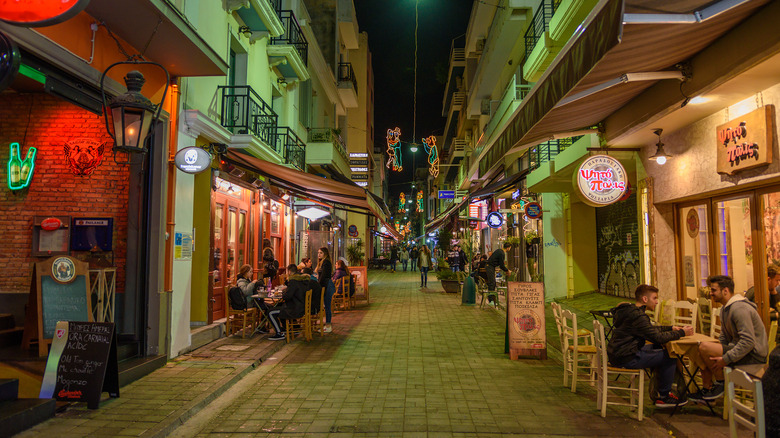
(604, 66)
(440, 219)
(499, 186)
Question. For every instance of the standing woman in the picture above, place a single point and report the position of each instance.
(324, 274)
(425, 264)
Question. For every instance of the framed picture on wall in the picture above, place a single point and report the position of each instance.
(275, 223)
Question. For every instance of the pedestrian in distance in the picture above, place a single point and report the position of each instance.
(636, 343)
(462, 260)
(414, 254)
(496, 260)
(404, 257)
(425, 265)
(393, 257)
(324, 276)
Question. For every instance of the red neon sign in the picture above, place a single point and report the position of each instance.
(40, 13)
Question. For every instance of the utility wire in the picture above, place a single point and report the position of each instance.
(416, 24)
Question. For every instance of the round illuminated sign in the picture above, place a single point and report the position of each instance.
(192, 160)
(51, 224)
(601, 180)
(63, 269)
(494, 219)
(533, 210)
(353, 231)
(40, 13)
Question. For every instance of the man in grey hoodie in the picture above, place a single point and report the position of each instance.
(743, 338)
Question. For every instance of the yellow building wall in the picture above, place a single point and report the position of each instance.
(201, 222)
(584, 260)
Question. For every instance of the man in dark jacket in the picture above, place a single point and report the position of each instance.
(293, 303)
(461, 258)
(414, 254)
(771, 384)
(496, 260)
(628, 347)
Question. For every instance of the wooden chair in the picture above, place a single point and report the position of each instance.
(684, 313)
(749, 413)
(715, 322)
(663, 313)
(239, 320)
(705, 314)
(482, 289)
(341, 297)
(302, 325)
(772, 338)
(636, 383)
(318, 320)
(576, 356)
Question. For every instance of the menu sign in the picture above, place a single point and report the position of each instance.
(526, 321)
(601, 180)
(746, 142)
(82, 363)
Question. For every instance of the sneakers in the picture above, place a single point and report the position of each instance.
(670, 401)
(277, 337)
(708, 394)
(327, 328)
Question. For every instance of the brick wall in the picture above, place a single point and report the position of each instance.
(55, 190)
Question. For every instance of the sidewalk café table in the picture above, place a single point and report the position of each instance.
(606, 315)
(689, 346)
(271, 300)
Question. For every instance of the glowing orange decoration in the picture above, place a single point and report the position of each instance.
(433, 155)
(40, 13)
(402, 203)
(394, 149)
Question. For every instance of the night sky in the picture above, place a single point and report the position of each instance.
(390, 28)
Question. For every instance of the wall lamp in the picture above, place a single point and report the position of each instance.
(660, 156)
(245, 30)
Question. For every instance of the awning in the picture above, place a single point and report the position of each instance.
(306, 185)
(499, 186)
(452, 209)
(391, 231)
(605, 66)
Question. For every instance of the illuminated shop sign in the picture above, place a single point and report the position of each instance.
(601, 180)
(362, 183)
(358, 155)
(40, 13)
(359, 169)
(192, 160)
(745, 142)
(358, 162)
(20, 172)
(360, 176)
(495, 219)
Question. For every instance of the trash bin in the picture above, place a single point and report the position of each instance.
(469, 295)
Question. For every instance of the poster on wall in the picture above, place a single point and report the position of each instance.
(182, 246)
(746, 142)
(690, 280)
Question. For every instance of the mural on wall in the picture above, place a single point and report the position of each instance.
(617, 247)
(83, 155)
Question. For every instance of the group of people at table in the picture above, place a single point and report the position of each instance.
(636, 343)
(300, 279)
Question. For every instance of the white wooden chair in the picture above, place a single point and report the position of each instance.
(604, 382)
(684, 313)
(749, 413)
(705, 314)
(663, 315)
(576, 356)
(715, 322)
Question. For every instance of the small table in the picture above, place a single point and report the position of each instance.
(606, 315)
(271, 301)
(689, 346)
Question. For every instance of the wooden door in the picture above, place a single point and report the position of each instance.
(230, 248)
(219, 281)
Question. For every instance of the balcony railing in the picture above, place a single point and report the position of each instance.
(546, 151)
(277, 4)
(292, 148)
(540, 24)
(293, 35)
(244, 112)
(328, 135)
(347, 74)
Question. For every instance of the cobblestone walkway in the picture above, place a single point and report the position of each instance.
(415, 363)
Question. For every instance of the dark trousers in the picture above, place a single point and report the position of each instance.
(490, 271)
(659, 360)
(424, 275)
(414, 265)
(405, 264)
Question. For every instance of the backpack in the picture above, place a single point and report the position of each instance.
(236, 298)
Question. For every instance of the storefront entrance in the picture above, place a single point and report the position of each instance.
(736, 235)
(231, 234)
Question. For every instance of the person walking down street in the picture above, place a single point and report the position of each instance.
(293, 304)
(393, 257)
(462, 260)
(324, 276)
(496, 260)
(404, 256)
(743, 339)
(629, 347)
(425, 265)
(414, 254)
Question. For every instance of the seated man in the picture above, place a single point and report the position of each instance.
(293, 304)
(742, 338)
(316, 289)
(628, 347)
(772, 281)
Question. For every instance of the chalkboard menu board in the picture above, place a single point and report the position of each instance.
(82, 363)
(62, 302)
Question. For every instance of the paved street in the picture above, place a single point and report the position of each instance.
(415, 363)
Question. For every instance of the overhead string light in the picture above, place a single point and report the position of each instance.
(433, 155)
(394, 149)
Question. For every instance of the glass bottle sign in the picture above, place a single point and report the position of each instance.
(20, 172)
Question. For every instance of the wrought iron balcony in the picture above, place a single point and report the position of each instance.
(293, 35)
(548, 150)
(347, 74)
(244, 112)
(328, 135)
(292, 148)
(540, 24)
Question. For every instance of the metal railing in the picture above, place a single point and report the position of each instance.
(548, 150)
(277, 5)
(293, 35)
(347, 74)
(328, 135)
(293, 149)
(244, 112)
(540, 24)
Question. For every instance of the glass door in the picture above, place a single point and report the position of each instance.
(217, 303)
(768, 300)
(694, 248)
(734, 240)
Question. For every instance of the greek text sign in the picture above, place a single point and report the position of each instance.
(601, 180)
(746, 142)
(525, 311)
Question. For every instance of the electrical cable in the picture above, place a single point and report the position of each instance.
(416, 25)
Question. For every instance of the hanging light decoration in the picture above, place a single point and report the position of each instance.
(394, 149)
(433, 155)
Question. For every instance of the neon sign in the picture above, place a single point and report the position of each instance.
(420, 202)
(402, 202)
(20, 172)
(601, 180)
(433, 155)
(394, 149)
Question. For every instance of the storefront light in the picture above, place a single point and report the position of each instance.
(660, 156)
(313, 213)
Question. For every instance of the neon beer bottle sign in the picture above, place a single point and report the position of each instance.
(20, 172)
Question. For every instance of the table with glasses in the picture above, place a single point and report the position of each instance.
(271, 299)
(688, 346)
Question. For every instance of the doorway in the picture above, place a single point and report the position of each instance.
(231, 242)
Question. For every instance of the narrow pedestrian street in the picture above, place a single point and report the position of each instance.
(414, 363)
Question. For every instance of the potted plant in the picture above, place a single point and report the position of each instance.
(449, 280)
(355, 253)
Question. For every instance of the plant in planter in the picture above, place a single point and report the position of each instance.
(449, 280)
(355, 253)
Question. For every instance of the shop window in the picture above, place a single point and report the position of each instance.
(771, 219)
(735, 242)
(695, 247)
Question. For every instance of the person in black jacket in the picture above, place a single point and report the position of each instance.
(496, 260)
(293, 304)
(771, 384)
(324, 276)
(628, 347)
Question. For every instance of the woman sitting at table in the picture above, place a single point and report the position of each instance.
(628, 346)
(246, 284)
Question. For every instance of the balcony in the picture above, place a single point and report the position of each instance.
(289, 53)
(547, 151)
(347, 84)
(259, 16)
(456, 68)
(326, 150)
(348, 25)
(291, 147)
(513, 95)
(459, 146)
(244, 112)
(540, 48)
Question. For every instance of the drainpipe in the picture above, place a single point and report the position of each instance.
(170, 220)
